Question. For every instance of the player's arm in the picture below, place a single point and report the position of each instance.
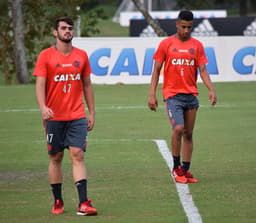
(89, 98)
(46, 112)
(152, 100)
(207, 82)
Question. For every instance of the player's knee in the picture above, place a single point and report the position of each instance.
(76, 154)
(188, 135)
(178, 129)
(57, 157)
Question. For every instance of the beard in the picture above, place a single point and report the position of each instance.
(65, 39)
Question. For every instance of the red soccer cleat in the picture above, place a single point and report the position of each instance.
(179, 175)
(190, 177)
(58, 207)
(86, 209)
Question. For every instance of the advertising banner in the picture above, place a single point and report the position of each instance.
(230, 26)
(129, 60)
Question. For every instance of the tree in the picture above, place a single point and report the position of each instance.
(20, 56)
(6, 48)
(36, 29)
(153, 23)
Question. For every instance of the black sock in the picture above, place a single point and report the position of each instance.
(81, 186)
(176, 162)
(186, 166)
(57, 191)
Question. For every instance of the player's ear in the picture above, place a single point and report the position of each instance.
(54, 33)
(177, 23)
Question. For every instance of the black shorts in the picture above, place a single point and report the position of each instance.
(63, 134)
(178, 104)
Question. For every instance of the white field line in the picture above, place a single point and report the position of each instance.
(114, 107)
(19, 110)
(182, 189)
(102, 140)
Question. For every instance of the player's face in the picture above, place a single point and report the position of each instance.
(65, 32)
(184, 29)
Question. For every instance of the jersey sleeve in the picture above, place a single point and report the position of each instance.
(40, 67)
(160, 54)
(87, 67)
(202, 59)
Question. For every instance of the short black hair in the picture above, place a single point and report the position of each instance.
(63, 19)
(186, 15)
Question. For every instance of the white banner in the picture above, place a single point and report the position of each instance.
(129, 60)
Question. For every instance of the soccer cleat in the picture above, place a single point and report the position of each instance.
(190, 177)
(58, 207)
(179, 175)
(86, 208)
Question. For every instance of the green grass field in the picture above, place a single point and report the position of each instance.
(129, 182)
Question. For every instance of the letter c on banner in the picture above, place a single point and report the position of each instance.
(238, 64)
(94, 61)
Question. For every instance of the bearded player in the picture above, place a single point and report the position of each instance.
(62, 80)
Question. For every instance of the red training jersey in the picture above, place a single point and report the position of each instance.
(64, 88)
(181, 60)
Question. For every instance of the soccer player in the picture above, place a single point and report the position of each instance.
(62, 79)
(182, 56)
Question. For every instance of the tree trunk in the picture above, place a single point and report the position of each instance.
(153, 23)
(20, 57)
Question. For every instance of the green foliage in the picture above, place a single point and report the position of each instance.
(6, 44)
(38, 18)
(90, 19)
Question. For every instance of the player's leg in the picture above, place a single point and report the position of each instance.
(55, 178)
(55, 168)
(176, 116)
(80, 179)
(189, 122)
(78, 166)
(176, 137)
(178, 171)
(189, 117)
(54, 132)
(76, 141)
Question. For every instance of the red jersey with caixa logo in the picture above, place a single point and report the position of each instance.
(181, 60)
(64, 88)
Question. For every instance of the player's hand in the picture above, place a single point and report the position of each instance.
(90, 122)
(212, 98)
(152, 103)
(47, 113)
